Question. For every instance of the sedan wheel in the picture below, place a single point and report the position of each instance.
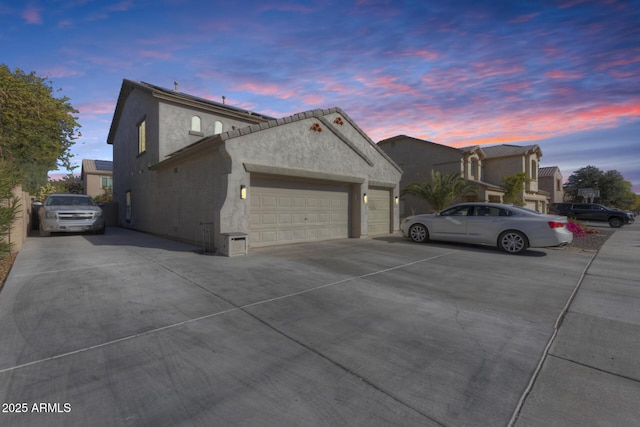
(418, 233)
(513, 242)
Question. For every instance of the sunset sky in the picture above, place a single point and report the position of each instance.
(561, 74)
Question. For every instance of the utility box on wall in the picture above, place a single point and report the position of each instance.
(235, 244)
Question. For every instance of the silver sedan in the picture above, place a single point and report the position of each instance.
(510, 228)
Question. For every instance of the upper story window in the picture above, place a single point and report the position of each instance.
(558, 185)
(474, 169)
(106, 182)
(217, 127)
(142, 136)
(196, 124)
(534, 170)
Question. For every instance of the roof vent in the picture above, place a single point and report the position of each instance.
(175, 86)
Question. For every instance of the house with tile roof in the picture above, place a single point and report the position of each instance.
(97, 176)
(550, 180)
(485, 166)
(196, 170)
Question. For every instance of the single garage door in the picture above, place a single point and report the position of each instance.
(289, 211)
(379, 211)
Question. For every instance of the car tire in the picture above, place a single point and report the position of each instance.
(101, 231)
(615, 222)
(513, 242)
(419, 233)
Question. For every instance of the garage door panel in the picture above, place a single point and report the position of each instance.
(379, 218)
(288, 212)
(268, 201)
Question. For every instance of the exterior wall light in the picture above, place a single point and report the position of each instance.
(364, 198)
(243, 192)
(397, 200)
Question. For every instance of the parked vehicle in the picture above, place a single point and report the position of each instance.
(592, 212)
(70, 213)
(510, 228)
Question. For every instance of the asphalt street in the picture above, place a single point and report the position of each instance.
(130, 329)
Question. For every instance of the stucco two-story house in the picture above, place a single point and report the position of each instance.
(186, 166)
(97, 176)
(550, 180)
(485, 166)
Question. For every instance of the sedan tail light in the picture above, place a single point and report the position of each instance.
(556, 224)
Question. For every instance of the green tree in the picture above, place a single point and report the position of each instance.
(636, 203)
(37, 130)
(45, 190)
(442, 190)
(614, 190)
(514, 186)
(106, 196)
(70, 184)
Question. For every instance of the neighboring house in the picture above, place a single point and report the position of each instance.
(550, 180)
(97, 176)
(189, 168)
(484, 166)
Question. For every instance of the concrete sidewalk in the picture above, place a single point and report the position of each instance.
(591, 373)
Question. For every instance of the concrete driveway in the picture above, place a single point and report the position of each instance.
(130, 329)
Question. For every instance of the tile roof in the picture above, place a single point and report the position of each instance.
(505, 150)
(548, 171)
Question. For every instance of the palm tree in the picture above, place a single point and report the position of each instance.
(442, 190)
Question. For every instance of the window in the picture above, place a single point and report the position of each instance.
(490, 211)
(558, 185)
(218, 127)
(106, 182)
(142, 137)
(474, 169)
(534, 170)
(456, 211)
(196, 124)
(128, 206)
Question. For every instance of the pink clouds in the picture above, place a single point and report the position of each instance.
(31, 15)
(468, 125)
(270, 89)
(96, 108)
(495, 68)
(428, 55)
(313, 99)
(560, 74)
(515, 87)
(389, 83)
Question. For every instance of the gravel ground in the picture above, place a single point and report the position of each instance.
(592, 241)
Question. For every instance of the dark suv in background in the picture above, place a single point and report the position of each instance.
(592, 212)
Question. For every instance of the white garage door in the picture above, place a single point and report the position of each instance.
(290, 211)
(379, 211)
